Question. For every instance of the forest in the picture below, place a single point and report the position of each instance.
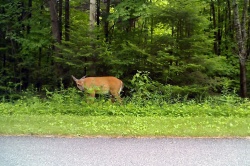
(189, 47)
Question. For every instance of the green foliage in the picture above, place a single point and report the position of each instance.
(130, 9)
(72, 102)
(176, 58)
(25, 35)
(175, 41)
(144, 88)
(141, 84)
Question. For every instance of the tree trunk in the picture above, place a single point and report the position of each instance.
(54, 21)
(29, 15)
(92, 22)
(151, 27)
(241, 37)
(248, 34)
(67, 20)
(243, 78)
(213, 14)
(57, 38)
(220, 27)
(98, 12)
(60, 13)
(92, 14)
(106, 24)
(229, 14)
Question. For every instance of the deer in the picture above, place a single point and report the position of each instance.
(100, 85)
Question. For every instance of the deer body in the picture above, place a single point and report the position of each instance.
(100, 85)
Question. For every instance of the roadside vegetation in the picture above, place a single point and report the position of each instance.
(73, 102)
(192, 58)
(144, 113)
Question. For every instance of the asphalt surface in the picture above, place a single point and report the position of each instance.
(49, 151)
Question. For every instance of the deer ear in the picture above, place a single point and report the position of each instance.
(83, 77)
(74, 78)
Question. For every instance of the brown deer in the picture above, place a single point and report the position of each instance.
(100, 85)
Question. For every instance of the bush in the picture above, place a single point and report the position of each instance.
(149, 98)
(144, 88)
(72, 102)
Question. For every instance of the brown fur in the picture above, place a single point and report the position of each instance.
(100, 85)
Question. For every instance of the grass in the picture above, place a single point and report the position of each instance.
(65, 113)
(129, 126)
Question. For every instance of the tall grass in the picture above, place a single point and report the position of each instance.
(73, 102)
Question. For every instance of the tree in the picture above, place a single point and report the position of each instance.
(67, 16)
(106, 24)
(241, 38)
(217, 19)
(54, 21)
(183, 43)
(92, 14)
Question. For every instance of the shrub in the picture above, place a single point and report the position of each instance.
(72, 102)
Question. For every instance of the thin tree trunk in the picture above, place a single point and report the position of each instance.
(67, 26)
(106, 24)
(54, 21)
(98, 13)
(243, 78)
(92, 14)
(56, 36)
(229, 16)
(241, 37)
(248, 34)
(92, 22)
(60, 12)
(29, 15)
(220, 27)
(39, 66)
(214, 27)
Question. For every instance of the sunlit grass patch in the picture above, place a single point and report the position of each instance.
(124, 126)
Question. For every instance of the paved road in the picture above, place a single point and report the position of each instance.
(40, 151)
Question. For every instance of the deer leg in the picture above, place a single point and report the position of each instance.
(115, 96)
(91, 97)
(112, 99)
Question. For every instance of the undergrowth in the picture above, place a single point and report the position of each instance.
(72, 102)
(148, 98)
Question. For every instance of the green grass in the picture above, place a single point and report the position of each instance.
(70, 106)
(129, 126)
(66, 113)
